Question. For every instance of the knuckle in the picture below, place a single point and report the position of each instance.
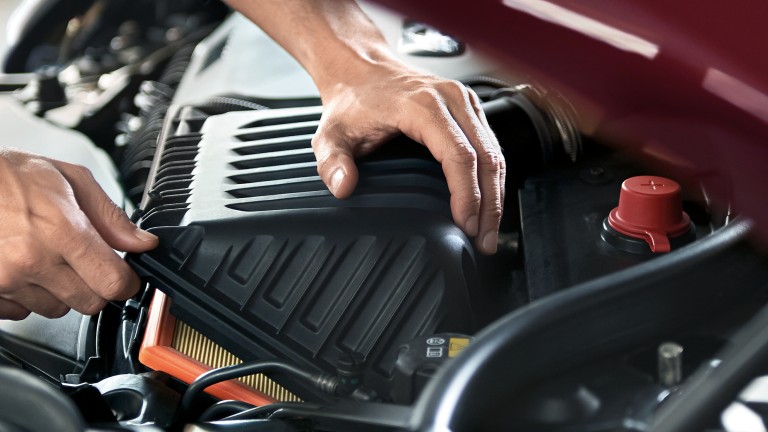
(56, 311)
(68, 228)
(323, 165)
(464, 154)
(23, 258)
(426, 96)
(114, 212)
(7, 279)
(333, 128)
(474, 201)
(80, 172)
(470, 200)
(16, 314)
(490, 159)
(113, 286)
(474, 100)
(78, 249)
(502, 167)
(452, 87)
(116, 285)
(502, 162)
(94, 307)
(319, 145)
(494, 213)
(322, 147)
(318, 139)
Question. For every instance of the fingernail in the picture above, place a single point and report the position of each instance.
(336, 179)
(489, 241)
(143, 235)
(471, 226)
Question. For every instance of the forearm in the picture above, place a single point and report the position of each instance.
(330, 38)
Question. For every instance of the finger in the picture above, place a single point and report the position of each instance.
(335, 160)
(432, 124)
(105, 273)
(68, 287)
(464, 112)
(12, 311)
(478, 108)
(38, 300)
(109, 220)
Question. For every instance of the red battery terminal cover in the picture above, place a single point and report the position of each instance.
(650, 208)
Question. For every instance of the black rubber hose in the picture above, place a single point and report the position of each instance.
(262, 411)
(324, 382)
(248, 426)
(474, 80)
(600, 317)
(711, 389)
(224, 409)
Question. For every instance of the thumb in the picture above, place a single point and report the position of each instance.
(109, 220)
(335, 161)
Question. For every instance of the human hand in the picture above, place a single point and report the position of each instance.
(369, 96)
(57, 236)
(374, 103)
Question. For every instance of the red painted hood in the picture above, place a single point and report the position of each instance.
(685, 82)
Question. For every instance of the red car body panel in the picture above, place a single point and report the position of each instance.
(684, 82)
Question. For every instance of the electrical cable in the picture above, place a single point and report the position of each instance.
(262, 411)
(224, 409)
(322, 381)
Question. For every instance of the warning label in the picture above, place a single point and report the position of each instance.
(434, 352)
(456, 345)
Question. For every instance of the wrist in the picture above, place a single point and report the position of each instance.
(353, 67)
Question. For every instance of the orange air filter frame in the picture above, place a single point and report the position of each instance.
(156, 353)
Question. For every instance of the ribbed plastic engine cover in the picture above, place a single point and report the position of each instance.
(258, 256)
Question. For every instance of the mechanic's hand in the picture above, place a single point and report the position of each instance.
(57, 236)
(373, 104)
(369, 96)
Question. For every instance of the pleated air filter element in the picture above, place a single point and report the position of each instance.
(191, 343)
(260, 258)
(173, 347)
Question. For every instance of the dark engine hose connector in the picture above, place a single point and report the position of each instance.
(536, 129)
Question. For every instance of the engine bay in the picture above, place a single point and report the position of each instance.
(271, 305)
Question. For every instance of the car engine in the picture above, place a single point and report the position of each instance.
(272, 306)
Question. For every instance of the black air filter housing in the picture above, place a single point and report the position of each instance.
(259, 256)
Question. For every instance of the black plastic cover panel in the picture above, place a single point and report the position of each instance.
(260, 257)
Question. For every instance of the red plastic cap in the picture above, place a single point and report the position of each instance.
(650, 208)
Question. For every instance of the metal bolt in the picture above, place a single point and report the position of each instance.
(670, 358)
